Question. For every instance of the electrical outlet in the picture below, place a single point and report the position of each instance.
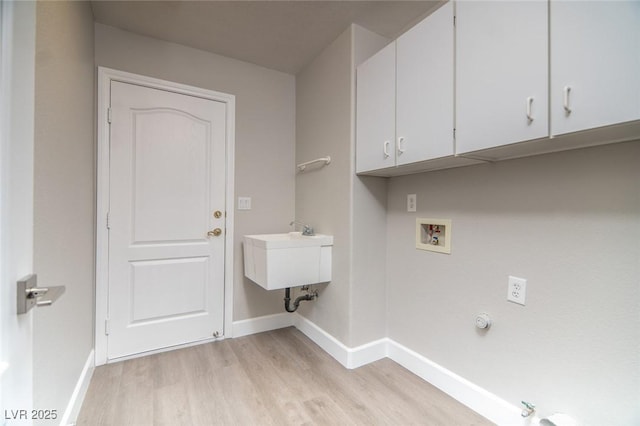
(411, 202)
(517, 290)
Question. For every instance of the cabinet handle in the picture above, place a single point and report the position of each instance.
(400, 145)
(385, 149)
(567, 90)
(529, 102)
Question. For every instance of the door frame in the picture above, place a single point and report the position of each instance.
(105, 77)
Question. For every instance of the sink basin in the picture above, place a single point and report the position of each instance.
(276, 261)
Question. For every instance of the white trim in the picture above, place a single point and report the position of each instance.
(348, 357)
(327, 342)
(230, 215)
(79, 392)
(261, 324)
(102, 207)
(368, 353)
(473, 396)
(105, 76)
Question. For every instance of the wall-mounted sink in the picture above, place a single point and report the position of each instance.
(276, 261)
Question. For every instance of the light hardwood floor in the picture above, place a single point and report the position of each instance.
(274, 378)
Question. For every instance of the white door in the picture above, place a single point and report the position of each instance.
(501, 73)
(425, 89)
(595, 56)
(376, 110)
(167, 181)
(17, 53)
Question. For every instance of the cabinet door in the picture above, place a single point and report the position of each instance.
(424, 97)
(595, 56)
(501, 73)
(375, 111)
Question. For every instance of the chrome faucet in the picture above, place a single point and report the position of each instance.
(306, 229)
(528, 409)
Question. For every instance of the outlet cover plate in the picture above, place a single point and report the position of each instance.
(517, 290)
(411, 202)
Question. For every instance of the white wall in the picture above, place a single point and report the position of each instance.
(64, 197)
(323, 195)
(352, 307)
(368, 225)
(265, 123)
(570, 224)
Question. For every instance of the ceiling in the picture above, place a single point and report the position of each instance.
(281, 35)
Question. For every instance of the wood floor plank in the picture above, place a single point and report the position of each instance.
(205, 372)
(325, 411)
(99, 406)
(273, 378)
(275, 392)
(134, 405)
(245, 400)
(171, 406)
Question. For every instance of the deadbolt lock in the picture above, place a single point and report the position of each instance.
(217, 214)
(215, 233)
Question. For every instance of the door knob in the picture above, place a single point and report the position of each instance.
(215, 233)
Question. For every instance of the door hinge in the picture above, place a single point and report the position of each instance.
(106, 327)
(109, 115)
(108, 223)
(454, 20)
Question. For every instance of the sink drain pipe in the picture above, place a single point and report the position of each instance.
(296, 303)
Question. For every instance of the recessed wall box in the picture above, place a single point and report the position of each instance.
(433, 235)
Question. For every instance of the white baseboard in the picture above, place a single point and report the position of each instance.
(77, 397)
(368, 353)
(264, 323)
(473, 396)
(348, 357)
(327, 342)
(476, 398)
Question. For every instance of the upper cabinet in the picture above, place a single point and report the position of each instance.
(529, 77)
(376, 110)
(501, 73)
(595, 64)
(405, 97)
(424, 89)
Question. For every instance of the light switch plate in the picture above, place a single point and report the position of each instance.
(244, 203)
